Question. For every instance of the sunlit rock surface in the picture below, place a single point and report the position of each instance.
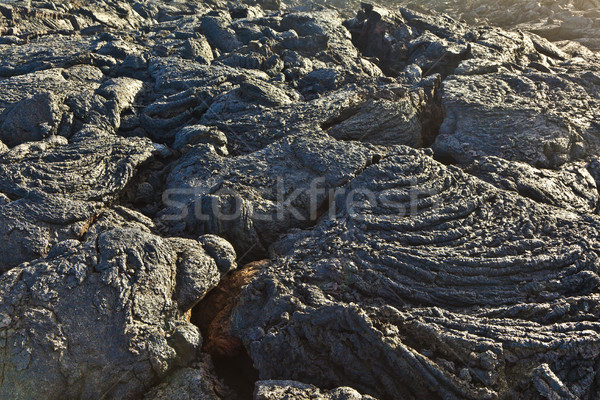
(277, 199)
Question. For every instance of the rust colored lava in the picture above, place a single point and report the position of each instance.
(213, 314)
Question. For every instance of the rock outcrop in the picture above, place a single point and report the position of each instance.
(412, 200)
(464, 292)
(105, 317)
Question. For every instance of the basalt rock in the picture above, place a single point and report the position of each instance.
(32, 226)
(197, 134)
(51, 51)
(59, 81)
(92, 166)
(464, 291)
(119, 217)
(289, 133)
(543, 119)
(290, 390)
(572, 187)
(196, 382)
(572, 20)
(31, 119)
(105, 317)
(35, 106)
(252, 199)
(61, 101)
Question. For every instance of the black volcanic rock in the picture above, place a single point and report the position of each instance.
(539, 118)
(148, 147)
(197, 382)
(103, 318)
(556, 21)
(30, 227)
(573, 187)
(472, 293)
(252, 199)
(290, 390)
(92, 166)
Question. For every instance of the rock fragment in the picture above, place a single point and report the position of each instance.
(290, 390)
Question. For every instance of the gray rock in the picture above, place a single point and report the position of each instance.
(200, 134)
(382, 122)
(163, 118)
(49, 51)
(252, 199)
(92, 166)
(122, 283)
(117, 94)
(250, 128)
(571, 20)
(31, 119)
(425, 271)
(197, 382)
(217, 31)
(542, 119)
(405, 37)
(198, 49)
(380, 271)
(4, 200)
(119, 217)
(572, 187)
(32, 226)
(270, 4)
(290, 390)
(61, 101)
(61, 82)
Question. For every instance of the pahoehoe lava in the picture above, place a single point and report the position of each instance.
(282, 199)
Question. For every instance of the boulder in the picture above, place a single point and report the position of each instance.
(31, 119)
(252, 199)
(571, 188)
(130, 288)
(196, 382)
(32, 226)
(542, 119)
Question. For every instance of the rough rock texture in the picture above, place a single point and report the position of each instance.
(145, 144)
(36, 105)
(538, 118)
(93, 165)
(252, 199)
(30, 227)
(571, 19)
(554, 20)
(462, 296)
(196, 382)
(104, 317)
(290, 390)
(572, 187)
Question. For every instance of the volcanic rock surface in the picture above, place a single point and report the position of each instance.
(274, 200)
